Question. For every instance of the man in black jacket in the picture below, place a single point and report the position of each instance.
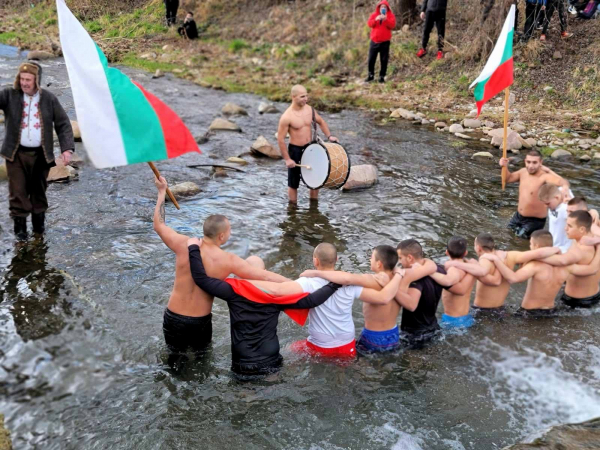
(253, 324)
(28, 146)
(433, 12)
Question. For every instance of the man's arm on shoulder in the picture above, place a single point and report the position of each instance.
(383, 296)
(420, 271)
(344, 278)
(554, 178)
(175, 241)
(573, 256)
(524, 273)
(408, 299)
(463, 286)
(278, 289)
(588, 269)
(530, 255)
(452, 276)
(243, 269)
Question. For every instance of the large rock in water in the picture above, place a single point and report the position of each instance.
(362, 176)
(482, 155)
(61, 173)
(76, 131)
(186, 189)
(513, 141)
(578, 436)
(223, 125)
(472, 123)
(267, 108)
(231, 109)
(404, 113)
(561, 154)
(39, 55)
(456, 128)
(263, 147)
(3, 174)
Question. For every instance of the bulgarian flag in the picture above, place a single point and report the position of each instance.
(121, 123)
(254, 294)
(497, 74)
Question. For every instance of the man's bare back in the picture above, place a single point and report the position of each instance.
(583, 286)
(457, 299)
(543, 287)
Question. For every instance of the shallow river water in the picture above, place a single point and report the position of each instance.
(82, 357)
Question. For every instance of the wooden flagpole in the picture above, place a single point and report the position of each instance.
(504, 143)
(169, 193)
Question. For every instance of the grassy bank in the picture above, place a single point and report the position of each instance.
(264, 47)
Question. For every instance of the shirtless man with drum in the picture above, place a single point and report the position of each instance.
(297, 121)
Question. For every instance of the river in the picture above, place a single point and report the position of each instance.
(82, 357)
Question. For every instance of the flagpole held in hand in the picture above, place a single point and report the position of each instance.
(504, 168)
(169, 193)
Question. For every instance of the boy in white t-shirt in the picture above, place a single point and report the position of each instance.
(330, 326)
(552, 196)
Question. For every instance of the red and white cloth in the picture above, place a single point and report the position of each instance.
(31, 125)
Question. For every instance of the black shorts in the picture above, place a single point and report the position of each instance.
(418, 340)
(257, 369)
(183, 332)
(294, 176)
(494, 313)
(581, 302)
(524, 226)
(535, 313)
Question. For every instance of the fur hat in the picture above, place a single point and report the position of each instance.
(33, 69)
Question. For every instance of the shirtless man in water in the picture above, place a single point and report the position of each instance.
(297, 120)
(187, 318)
(580, 290)
(544, 280)
(531, 214)
(492, 289)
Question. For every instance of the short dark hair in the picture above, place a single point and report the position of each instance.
(326, 254)
(387, 255)
(486, 242)
(411, 247)
(534, 152)
(190, 13)
(578, 201)
(215, 225)
(457, 246)
(582, 219)
(543, 238)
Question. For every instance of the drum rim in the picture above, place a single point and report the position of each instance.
(328, 167)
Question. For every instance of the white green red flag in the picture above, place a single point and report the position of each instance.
(121, 123)
(497, 74)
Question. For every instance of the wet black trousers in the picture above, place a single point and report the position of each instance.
(383, 50)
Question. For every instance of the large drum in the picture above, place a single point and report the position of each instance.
(325, 165)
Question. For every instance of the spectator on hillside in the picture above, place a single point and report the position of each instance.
(533, 9)
(189, 29)
(381, 22)
(562, 17)
(433, 12)
(171, 7)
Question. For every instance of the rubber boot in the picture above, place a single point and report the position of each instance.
(20, 228)
(37, 222)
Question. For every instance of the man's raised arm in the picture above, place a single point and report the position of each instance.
(511, 177)
(169, 236)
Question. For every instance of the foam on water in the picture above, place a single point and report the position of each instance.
(534, 388)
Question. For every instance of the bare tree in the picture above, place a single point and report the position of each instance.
(406, 11)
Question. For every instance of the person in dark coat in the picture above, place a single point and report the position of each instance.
(28, 148)
(171, 7)
(189, 29)
(433, 13)
(381, 22)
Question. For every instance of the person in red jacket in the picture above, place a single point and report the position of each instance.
(381, 22)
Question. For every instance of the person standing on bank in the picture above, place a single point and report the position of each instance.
(381, 22)
(171, 6)
(433, 12)
(300, 121)
(28, 146)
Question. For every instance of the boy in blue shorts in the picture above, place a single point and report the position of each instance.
(456, 299)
